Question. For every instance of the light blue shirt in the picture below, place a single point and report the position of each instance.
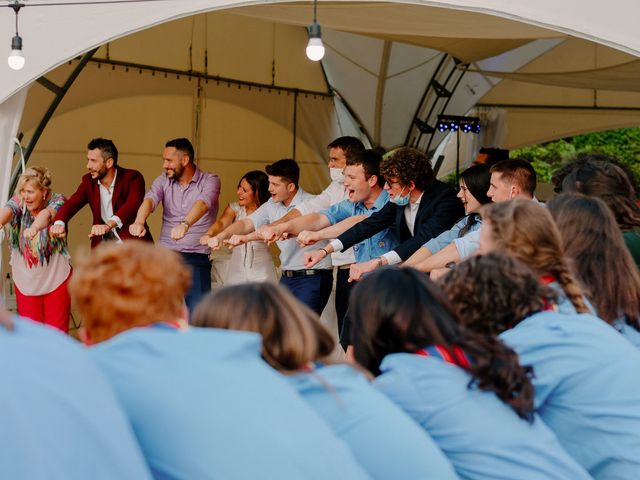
(291, 254)
(468, 244)
(60, 419)
(482, 436)
(563, 303)
(628, 332)
(372, 247)
(384, 440)
(204, 405)
(445, 238)
(587, 388)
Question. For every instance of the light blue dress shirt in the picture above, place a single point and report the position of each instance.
(204, 405)
(383, 439)
(587, 388)
(482, 436)
(445, 238)
(59, 417)
(372, 247)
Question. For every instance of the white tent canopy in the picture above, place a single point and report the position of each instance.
(536, 71)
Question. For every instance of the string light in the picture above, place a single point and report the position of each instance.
(16, 58)
(315, 48)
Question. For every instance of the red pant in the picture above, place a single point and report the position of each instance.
(51, 308)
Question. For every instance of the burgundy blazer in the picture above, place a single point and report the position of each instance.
(127, 197)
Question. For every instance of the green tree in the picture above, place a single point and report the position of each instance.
(623, 144)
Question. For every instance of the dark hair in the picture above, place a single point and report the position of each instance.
(370, 161)
(583, 158)
(494, 292)
(106, 147)
(287, 169)
(477, 179)
(525, 229)
(292, 334)
(608, 181)
(408, 165)
(259, 183)
(519, 172)
(182, 145)
(494, 155)
(349, 145)
(601, 260)
(401, 311)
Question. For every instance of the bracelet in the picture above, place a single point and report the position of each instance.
(184, 222)
(325, 251)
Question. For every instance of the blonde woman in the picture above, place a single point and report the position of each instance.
(40, 263)
(384, 440)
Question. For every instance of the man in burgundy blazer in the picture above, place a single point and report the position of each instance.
(114, 194)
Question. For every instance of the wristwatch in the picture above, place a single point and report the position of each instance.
(184, 222)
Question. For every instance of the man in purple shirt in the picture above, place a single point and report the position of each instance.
(189, 200)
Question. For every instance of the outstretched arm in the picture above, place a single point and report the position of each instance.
(418, 257)
(137, 228)
(197, 211)
(448, 254)
(307, 237)
(226, 219)
(232, 235)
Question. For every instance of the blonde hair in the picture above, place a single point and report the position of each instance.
(526, 230)
(133, 284)
(39, 176)
(292, 335)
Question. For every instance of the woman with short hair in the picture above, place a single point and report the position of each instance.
(39, 262)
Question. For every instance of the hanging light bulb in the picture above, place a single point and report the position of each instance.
(16, 58)
(315, 48)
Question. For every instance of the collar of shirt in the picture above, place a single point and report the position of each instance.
(411, 212)
(297, 198)
(113, 183)
(380, 202)
(196, 176)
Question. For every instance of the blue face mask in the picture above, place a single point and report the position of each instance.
(400, 200)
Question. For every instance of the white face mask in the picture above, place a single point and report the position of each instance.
(336, 175)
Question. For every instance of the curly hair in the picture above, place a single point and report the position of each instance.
(39, 177)
(494, 292)
(292, 334)
(593, 241)
(401, 311)
(526, 230)
(122, 286)
(602, 177)
(408, 165)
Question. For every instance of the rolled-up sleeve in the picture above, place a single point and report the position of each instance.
(468, 244)
(338, 212)
(156, 192)
(210, 190)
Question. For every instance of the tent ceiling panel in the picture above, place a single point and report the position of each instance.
(79, 28)
(620, 77)
(236, 47)
(531, 126)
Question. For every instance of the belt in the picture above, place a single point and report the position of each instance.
(345, 267)
(304, 273)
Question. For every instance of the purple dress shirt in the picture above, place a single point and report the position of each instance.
(178, 200)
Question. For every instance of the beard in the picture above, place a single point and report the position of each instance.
(176, 173)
